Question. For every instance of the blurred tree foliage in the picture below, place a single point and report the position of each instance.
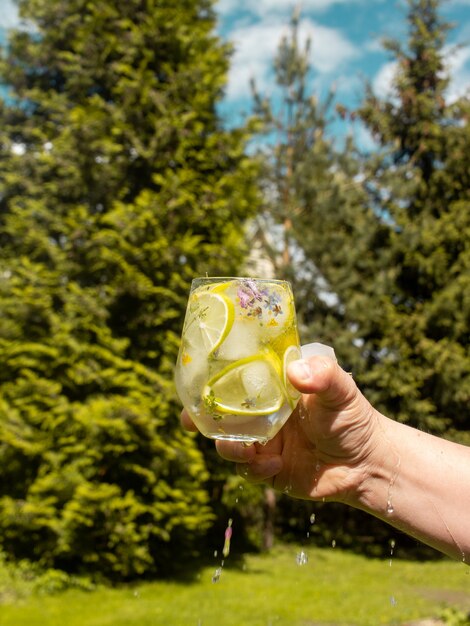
(118, 184)
(377, 246)
(415, 357)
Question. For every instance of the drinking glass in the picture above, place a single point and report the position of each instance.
(239, 336)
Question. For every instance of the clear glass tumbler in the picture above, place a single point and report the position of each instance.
(239, 336)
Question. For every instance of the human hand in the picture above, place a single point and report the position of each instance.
(326, 448)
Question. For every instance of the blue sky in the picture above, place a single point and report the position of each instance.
(346, 45)
(345, 37)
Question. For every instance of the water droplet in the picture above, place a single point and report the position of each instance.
(389, 507)
(236, 500)
(393, 601)
(302, 412)
(216, 575)
(312, 518)
(308, 534)
(333, 543)
(216, 553)
(302, 558)
(392, 548)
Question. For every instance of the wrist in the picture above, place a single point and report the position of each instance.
(380, 470)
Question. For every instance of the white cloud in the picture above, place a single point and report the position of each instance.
(256, 46)
(458, 62)
(363, 137)
(458, 66)
(9, 17)
(383, 81)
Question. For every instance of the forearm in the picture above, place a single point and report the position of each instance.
(421, 484)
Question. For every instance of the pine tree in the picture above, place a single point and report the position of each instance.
(418, 355)
(315, 203)
(118, 185)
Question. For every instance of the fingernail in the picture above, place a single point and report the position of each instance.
(301, 369)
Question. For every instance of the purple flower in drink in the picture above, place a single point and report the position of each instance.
(273, 304)
(248, 294)
(245, 298)
(253, 287)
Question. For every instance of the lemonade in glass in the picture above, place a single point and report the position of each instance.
(239, 336)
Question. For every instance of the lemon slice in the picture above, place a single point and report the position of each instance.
(291, 354)
(209, 320)
(250, 386)
(223, 286)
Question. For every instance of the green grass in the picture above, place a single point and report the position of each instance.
(334, 587)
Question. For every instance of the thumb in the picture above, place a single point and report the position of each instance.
(323, 376)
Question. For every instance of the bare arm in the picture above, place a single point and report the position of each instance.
(337, 447)
(421, 485)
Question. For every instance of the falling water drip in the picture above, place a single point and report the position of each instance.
(391, 485)
(312, 518)
(302, 558)
(389, 505)
(333, 543)
(392, 548)
(216, 575)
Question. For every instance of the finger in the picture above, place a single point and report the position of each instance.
(261, 468)
(235, 451)
(323, 376)
(186, 422)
